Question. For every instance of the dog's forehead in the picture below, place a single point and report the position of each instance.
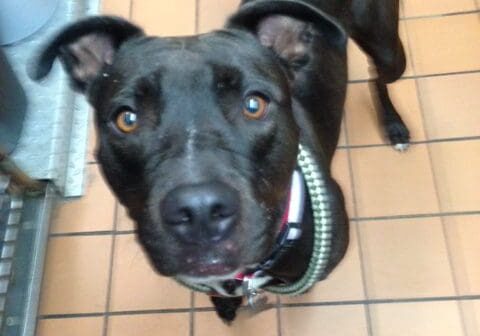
(229, 47)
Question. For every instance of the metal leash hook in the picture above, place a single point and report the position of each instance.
(257, 300)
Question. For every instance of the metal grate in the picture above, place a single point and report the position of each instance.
(10, 215)
(24, 222)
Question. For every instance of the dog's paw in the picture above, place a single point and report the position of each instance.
(401, 147)
(398, 135)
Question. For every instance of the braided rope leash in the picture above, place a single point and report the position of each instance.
(322, 241)
(322, 216)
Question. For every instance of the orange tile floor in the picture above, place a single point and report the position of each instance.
(413, 266)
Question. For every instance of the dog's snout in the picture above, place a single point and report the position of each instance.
(201, 212)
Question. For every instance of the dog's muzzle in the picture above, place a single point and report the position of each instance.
(250, 279)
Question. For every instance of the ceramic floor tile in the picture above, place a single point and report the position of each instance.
(463, 233)
(76, 275)
(390, 183)
(471, 316)
(136, 285)
(457, 171)
(92, 212)
(423, 8)
(344, 283)
(331, 320)
(416, 319)
(117, 7)
(405, 259)
(445, 44)
(212, 14)
(363, 125)
(265, 324)
(124, 223)
(165, 18)
(91, 326)
(450, 105)
(341, 174)
(202, 300)
(358, 65)
(149, 325)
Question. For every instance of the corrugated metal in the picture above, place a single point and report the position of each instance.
(53, 142)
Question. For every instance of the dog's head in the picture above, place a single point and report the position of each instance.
(196, 137)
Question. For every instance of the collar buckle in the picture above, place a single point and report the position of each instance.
(256, 298)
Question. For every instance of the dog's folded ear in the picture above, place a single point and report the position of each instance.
(252, 12)
(84, 47)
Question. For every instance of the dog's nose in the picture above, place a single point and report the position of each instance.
(199, 212)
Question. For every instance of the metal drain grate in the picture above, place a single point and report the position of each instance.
(24, 222)
(10, 215)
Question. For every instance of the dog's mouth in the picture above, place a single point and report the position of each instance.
(221, 260)
(215, 267)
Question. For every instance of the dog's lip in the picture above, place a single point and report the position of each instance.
(216, 261)
(212, 267)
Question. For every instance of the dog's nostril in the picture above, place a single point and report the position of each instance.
(201, 211)
(176, 216)
(216, 211)
(221, 211)
(185, 216)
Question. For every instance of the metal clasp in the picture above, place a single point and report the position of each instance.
(257, 300)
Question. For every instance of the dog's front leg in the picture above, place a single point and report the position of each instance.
(395, 128)
(226, 307)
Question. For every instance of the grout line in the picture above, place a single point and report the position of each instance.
(192, 313)
(197, 16)
(91, 233)
(385, 301)
(70, 316)
(453, 73)
(80, 234)
(355, 219)
(368, 316)
(159, 311)
(436, 16)
(130, 9)
(122, 313)
(110, 272)
(413, 216)
(125, 232)
(421, 142)
(437, 193)
(284, 305)
(278, 308)
(453, 267)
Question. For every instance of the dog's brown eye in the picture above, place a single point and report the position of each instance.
(255, 107)
(127, 121)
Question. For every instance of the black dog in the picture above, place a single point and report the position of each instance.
(198, 136)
